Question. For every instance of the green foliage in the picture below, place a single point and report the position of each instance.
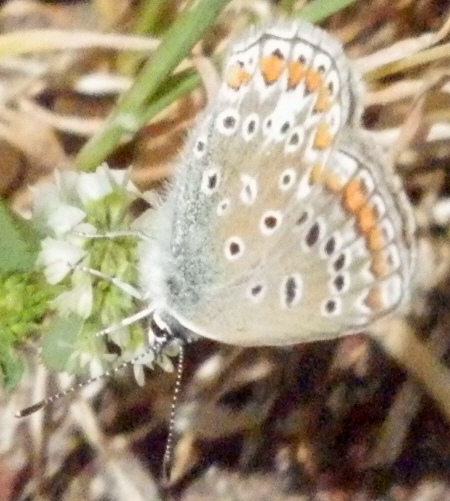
(24, 298)
(18, 244)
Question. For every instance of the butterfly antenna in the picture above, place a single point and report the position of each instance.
(168, 452)
(159, 345)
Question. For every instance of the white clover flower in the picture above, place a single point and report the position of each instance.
(96, 185)
(65, 218)
(60, 206)
(52, 212)
(70, 210)
(83, 359)
(78, 300)
(121, 179)
(121, 336)
(145, 357)
(93, 186)
(59, 257)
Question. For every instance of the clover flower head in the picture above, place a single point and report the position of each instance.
(71, 211)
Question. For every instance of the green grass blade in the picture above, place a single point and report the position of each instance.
(318, 10)
(175, 45)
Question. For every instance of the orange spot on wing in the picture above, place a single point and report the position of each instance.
(316, 175)
(323, 137)
(378, 266)
(271, 68)
(313, 80)
(323, 102)
(332, 182)
(374, 299)
(297, 72)
(354, 196)
(236, 77)
(366, 218)
(375, 239)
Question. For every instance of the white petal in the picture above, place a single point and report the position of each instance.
(121, 179)
(120, 336)
(165, 363)
(55, 272)
(78, 300)
(139, 375)
(65, 218)
(58, 257)
(93, 186)
(95, 367)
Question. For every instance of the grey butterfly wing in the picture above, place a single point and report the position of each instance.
(244, 242)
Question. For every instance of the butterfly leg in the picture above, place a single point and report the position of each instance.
(113, 234)
(120, 284)
(125, 322)
(157, 348)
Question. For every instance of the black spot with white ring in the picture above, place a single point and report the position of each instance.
(303, 218)
(227, 121)
(256, 292)
(200, 148)
(250, 126)
(291, 290)
(267, 125)
(340, 262)
(210, 181)
(287, 179)
(294, 140)
(234, 248)
(223, 206)
(331, 307)
(249, 190)
(330, 246)
(313, 235)
(340, 283)
(270, 222)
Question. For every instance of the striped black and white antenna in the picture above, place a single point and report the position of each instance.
(163, 337)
